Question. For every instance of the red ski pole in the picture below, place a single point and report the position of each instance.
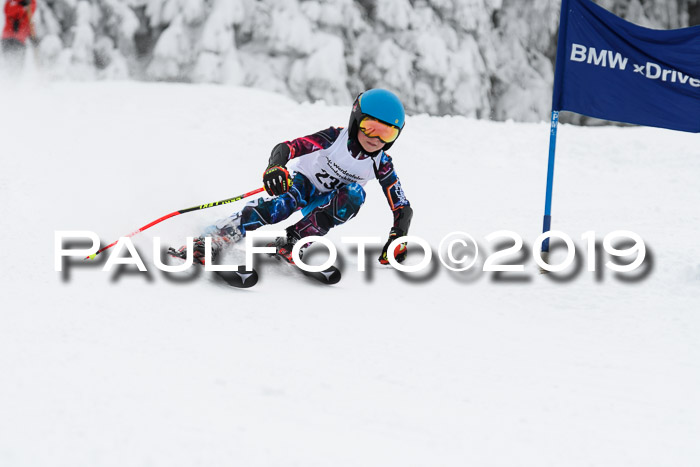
(177, 213)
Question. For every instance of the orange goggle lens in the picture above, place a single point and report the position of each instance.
(376, 129)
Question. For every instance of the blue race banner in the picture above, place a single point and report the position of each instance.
(611, 69)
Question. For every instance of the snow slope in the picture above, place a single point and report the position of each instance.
(115, 369)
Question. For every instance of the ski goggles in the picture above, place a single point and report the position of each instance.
(373, 128)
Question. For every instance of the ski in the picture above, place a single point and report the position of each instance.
(240, 278)
(328, 276)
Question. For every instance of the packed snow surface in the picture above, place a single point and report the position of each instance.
(451, 369)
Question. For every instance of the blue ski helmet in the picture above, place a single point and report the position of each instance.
(381, 104)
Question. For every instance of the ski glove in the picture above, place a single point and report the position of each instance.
(276, 180)
(400, 251)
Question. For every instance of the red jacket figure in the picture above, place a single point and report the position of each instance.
(18, 27)
(18, 15)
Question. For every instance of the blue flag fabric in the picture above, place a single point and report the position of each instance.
(612, 69)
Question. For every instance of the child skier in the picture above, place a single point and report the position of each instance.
(333, 165)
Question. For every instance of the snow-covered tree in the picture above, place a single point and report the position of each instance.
(480, 58)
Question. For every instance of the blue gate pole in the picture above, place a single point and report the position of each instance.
(550, 182)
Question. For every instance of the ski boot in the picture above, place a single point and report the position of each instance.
(284, 246)
(224, 232)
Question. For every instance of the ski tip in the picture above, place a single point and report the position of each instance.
(330, 276)
(335, 278)
(241, 279)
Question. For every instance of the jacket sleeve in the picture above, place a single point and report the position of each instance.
(304, 145)
(391, 186)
